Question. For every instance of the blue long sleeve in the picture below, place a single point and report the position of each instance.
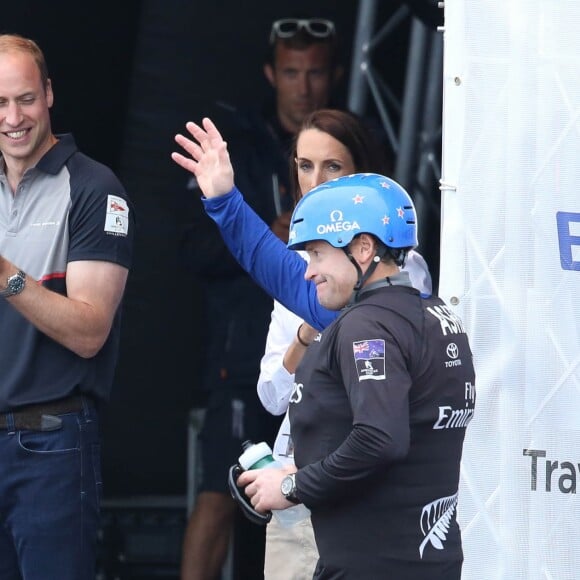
(278, 270)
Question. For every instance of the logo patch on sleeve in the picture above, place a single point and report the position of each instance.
(369, 357)
(117, 218)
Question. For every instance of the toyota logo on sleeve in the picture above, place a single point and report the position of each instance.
(453, 353)
(452, 350)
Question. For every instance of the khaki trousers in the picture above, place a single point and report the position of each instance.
(291, 553)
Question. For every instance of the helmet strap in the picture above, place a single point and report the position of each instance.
(362, 278)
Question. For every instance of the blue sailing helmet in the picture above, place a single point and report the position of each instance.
(338, 210)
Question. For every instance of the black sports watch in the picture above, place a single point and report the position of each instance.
(14, 285)
(288, 488)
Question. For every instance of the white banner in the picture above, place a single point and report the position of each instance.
(510, 266)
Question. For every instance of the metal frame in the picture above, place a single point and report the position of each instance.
(413, 127)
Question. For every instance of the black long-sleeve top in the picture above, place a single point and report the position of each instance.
(378, 415)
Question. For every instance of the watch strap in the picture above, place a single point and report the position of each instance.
(291, 495)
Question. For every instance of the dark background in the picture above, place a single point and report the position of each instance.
(127, 75)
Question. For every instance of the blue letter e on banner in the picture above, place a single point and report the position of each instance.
(569, 239)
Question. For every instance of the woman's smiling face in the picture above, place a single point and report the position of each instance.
(319, 158)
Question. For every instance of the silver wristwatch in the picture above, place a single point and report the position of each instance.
(14, 285)
(288, 488)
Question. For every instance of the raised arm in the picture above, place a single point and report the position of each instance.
(279, 271)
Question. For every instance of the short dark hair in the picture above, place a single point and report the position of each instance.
(301, 41)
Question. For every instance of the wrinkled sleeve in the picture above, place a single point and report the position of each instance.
(278, 270)
(275, 382)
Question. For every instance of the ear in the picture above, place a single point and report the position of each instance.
(363, 249)
(338, 74)
(269, 74)
(368, 247)
(49, 93)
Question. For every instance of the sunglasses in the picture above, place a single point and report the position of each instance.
(289, 27)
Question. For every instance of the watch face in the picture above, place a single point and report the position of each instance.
(16, 284)
(287, 485)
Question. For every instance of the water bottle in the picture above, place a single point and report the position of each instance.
(259, 456)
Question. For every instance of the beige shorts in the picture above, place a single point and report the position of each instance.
(291, 553)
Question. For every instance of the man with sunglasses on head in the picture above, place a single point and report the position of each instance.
(302, 68)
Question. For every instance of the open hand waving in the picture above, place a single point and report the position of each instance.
(210, 160)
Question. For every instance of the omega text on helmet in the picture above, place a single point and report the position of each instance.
(342, 226)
